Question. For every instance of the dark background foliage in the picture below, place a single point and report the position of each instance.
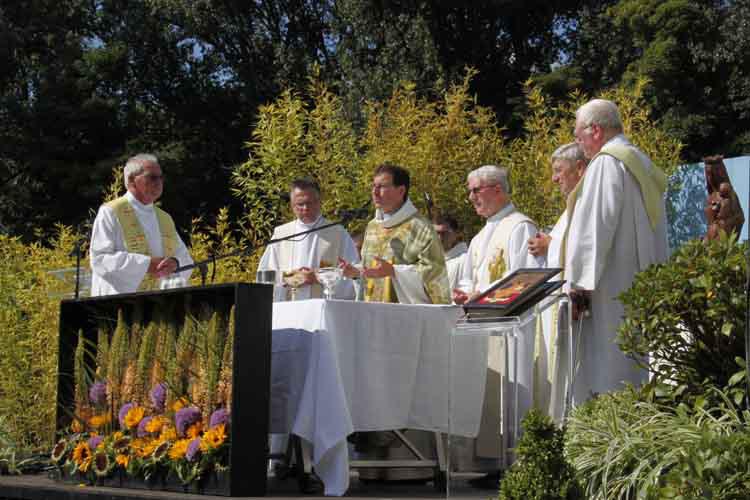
(87, 83)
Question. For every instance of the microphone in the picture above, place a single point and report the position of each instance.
(355, 213)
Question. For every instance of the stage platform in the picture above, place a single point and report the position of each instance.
(40, 487)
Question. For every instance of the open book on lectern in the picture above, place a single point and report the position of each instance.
(514, 294)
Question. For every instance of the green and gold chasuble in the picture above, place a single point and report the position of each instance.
(411, 242)
(135, 237)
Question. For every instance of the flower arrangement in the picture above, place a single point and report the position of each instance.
(156, 404)
(146, 444)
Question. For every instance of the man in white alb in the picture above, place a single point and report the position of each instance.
(447, 228)
(304, 254)
(497, 250)
(551, 363)
(133, 242)
(616, 228)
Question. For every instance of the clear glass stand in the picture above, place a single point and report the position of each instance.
(508, 329)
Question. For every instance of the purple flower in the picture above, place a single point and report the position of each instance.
(94, 441)
(98, 393)
(142, 432)
(220, 416)
(158, 396)
(186, 417)
(123, 413)
(193, 449)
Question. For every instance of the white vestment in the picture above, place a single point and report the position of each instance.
(114, 269)
(610, 239)
(551, 364)
(454, 261)
(307, 251)
(483, 250)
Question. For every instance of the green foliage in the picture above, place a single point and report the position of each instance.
(624, 446)
(540, 471)
(689, 314)
(28, 335)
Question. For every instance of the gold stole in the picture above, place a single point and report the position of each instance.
(652, 182)
(498, 262)
(135, 237)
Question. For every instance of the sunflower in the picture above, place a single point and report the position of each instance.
(121, 444)
(194, 430)
(168, 433)
(134, 416)
(101, 464)
(161, 451)
(147, 448)
(122, 460)
(59, 451)
(179, 449)
(81, 453)
(99, 420)
(213, 438)
(156, 424)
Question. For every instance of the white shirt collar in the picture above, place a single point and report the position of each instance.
(391, 220)
(137, 204)
(500, 214)
(313, 224)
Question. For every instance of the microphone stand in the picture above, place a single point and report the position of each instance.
(747, 312)
(77, 252)
(203, 265)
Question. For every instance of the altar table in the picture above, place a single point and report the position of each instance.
(342, 366)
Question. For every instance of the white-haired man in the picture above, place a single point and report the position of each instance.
(568, 166)
(616, 228)
(497, 250)
(134, 242)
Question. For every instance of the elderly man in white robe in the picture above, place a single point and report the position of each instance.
(616, 228)
(497, 250)
(551, 363)
(449, 232)
(133, 242)
(300, 256)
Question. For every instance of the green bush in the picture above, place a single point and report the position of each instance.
(623, 446)
(689, 314)
(540, 471)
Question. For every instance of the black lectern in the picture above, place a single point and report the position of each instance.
(250, 369)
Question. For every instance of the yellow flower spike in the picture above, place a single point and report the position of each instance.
(180, 404)
(76, 426)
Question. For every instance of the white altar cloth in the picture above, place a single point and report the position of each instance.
(343, 366)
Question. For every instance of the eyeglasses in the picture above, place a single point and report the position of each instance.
(381, 187)
(477, 190)
(577, 136)
(153, 177)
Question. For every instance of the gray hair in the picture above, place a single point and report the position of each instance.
(571, 152)
(136, 165)
(491, 174)
(600, 112)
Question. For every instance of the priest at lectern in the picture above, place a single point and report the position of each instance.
(133, 242)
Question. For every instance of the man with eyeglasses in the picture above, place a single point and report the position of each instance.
(133, 242)
(497, 250)
(304, 254)
(616, 228)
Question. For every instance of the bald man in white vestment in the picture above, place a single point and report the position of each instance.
(133, 242)
(616, 228)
